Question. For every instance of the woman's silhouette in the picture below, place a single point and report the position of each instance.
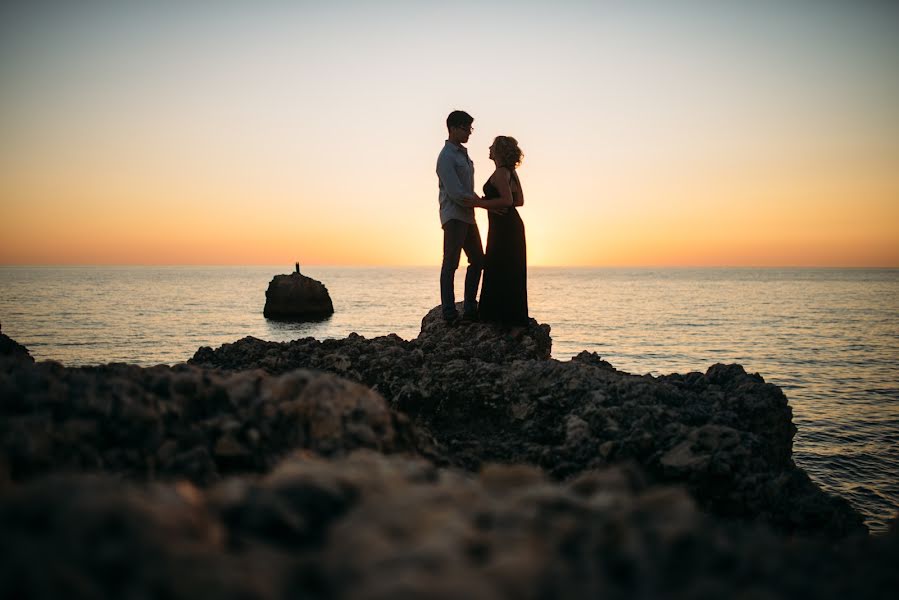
(504, 293)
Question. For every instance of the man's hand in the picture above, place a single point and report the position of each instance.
(470, 201)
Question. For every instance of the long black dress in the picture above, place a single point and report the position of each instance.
(504, 293)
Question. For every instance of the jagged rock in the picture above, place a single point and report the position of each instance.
(352, 498)
(368, 525)
(183, 421)
(296, 296)
(725, 435)
(700, 450)
(487, 396)
(485, 341)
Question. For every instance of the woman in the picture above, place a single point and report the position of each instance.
(504, 292)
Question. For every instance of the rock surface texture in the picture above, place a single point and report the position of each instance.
(182, 421)
(490, 395)
(373, 526)
(465, 463)
(296, 296)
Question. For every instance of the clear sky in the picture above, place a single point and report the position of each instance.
(655, 133)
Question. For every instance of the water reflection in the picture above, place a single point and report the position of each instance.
(296, 328)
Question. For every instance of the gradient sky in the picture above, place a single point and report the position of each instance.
(655, 133)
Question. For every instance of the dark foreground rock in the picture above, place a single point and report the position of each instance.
(183, 421)
(10, 348)
(487, 394)
(296, 296)
(377, 527)
(463, 464)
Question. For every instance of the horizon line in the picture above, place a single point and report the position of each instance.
(437, 265)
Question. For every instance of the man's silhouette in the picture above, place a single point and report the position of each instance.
(455, 173)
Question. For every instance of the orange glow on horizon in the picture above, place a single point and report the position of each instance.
(660, 137)
(93, 224)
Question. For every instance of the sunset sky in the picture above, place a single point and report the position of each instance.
(655, 133)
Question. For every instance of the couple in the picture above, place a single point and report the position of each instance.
(504, 296)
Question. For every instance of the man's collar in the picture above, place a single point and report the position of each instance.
(457, 146)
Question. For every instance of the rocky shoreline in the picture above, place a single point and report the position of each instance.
(463, 463)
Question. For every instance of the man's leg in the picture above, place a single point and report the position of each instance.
(454, 233)
(475, 254)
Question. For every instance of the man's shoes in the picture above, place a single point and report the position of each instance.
(470, 316)
(451, 320)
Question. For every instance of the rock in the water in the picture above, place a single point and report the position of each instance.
(296, 296)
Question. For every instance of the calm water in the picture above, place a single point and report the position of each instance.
(829, 338)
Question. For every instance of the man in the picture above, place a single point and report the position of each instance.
(455, 173)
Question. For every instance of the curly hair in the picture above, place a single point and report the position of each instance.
(506, 149)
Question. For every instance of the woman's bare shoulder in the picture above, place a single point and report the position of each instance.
(501, 174)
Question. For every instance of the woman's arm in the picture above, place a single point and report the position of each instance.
(517, 192)
(500, 180)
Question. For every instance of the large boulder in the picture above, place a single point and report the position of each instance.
(296, 296)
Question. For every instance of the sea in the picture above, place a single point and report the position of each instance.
(828, 337)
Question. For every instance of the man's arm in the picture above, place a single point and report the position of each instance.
(446, 171)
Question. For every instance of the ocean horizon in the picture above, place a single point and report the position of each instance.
(829, 337)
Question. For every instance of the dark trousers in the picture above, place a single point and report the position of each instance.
(458, 236)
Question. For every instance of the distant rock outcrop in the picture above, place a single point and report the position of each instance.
(296, 296)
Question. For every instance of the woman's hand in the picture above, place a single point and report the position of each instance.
(471, 201)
